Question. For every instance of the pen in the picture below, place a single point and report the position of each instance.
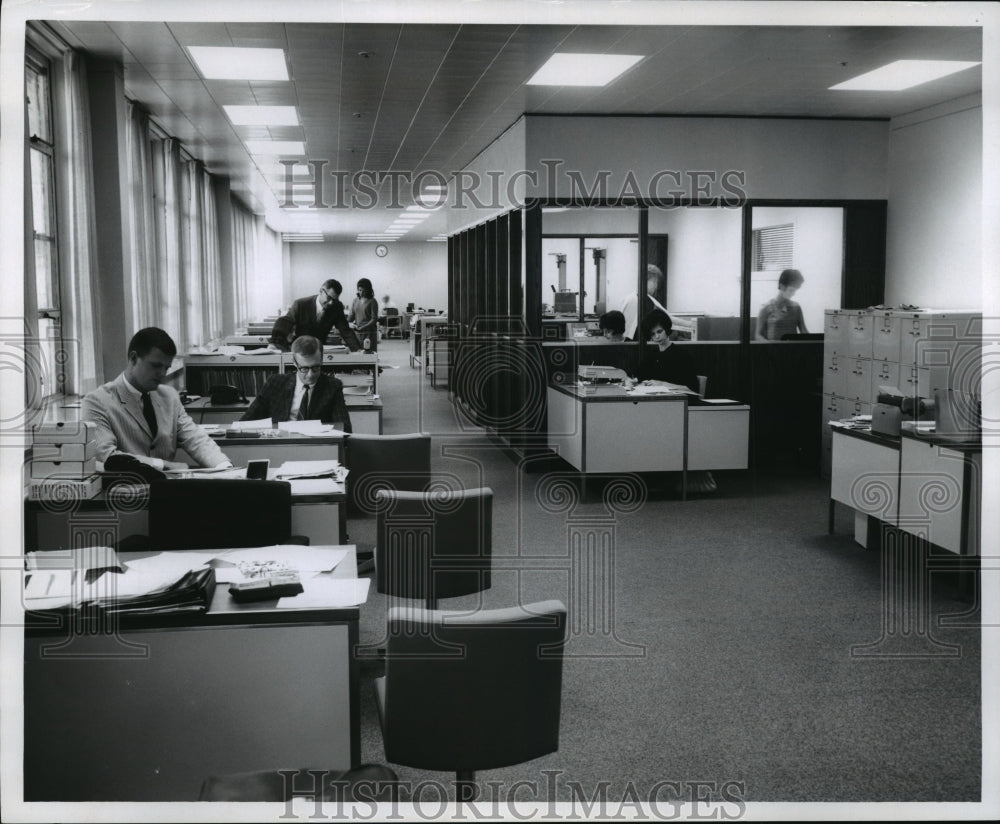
(50, 584)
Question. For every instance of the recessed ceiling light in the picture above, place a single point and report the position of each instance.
(262, 115)
(903, 74)
(236, 63)
(578, 69)
(272, 148)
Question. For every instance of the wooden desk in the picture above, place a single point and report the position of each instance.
(365, 412)
(148, 711)
(605, 429)
(317, 514)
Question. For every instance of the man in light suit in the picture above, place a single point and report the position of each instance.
(315, 316)
(305, 394)
(138, 415)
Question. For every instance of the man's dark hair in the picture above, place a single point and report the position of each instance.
(334, 286)
(656, 318)
(145, 340)
(613, 320)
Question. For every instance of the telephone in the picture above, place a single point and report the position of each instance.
(121, 467)
(225, 394)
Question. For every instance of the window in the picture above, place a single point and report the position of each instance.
(43, 218)
(772, 247)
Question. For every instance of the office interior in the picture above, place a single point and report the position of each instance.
(145, 204)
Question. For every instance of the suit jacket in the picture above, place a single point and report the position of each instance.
(302, 317)
(121, 426)
(326, 401)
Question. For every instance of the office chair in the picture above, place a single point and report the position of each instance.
(219, 513)
(436, 544)
(393, 321)
(465, 692)
(380, 784)
(384, 462)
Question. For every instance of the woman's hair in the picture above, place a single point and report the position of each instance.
(613, 320)
(790, 277)
(365, 286)
(656, 318)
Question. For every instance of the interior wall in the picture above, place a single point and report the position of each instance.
(763, 158)
(411, 272)
(934, 246)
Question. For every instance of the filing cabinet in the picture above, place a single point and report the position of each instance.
(859, 334)
(858, 383)
(886, 333)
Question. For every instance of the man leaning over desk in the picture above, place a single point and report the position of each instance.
(305, 394)
(314, 316)
(138, 415)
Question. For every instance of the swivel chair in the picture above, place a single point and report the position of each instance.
(434, 544)
(219, 513)
(377, 462)
(465, 692)
(393, 322)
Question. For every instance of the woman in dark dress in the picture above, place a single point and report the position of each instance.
(668, 363)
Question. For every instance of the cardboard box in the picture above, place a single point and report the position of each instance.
(64, 489)
(63, 469)
(64, 432)
(64, 451)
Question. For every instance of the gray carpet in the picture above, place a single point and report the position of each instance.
(725, 653)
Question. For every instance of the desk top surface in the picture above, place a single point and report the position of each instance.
(326, 598)
(204, 404)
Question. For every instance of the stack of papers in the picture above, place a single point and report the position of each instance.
(291, 470)
(260, 423)
(314, 428)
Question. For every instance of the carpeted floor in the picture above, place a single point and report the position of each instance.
(726, 648)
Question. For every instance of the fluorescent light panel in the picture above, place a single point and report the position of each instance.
(236, 63)
(273, 148)
(903, 74)
(578, 69)
(262, 115)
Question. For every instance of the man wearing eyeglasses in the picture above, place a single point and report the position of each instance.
(305, 394)
(314, 316)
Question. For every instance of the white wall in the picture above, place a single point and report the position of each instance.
(411, 272)
(704, 258)
(780, 158)
(934, 247)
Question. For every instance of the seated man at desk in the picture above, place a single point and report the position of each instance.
(668, 363)
(305, 394)
(136, 414)
(314, 316)
(612, 326)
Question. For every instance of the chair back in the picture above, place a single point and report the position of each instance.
(384, 462)
(435, 544)
(215, 513)
(391, 311)
(466, 692)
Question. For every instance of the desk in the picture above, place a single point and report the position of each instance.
(317, 513)
(249, 372)
(606, 429)
(926, 485)
(365, 412)
(147, 712)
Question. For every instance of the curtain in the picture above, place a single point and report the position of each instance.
(81, 336)
(142, 291)
(201, 271)
(257, 266)
(167, 200)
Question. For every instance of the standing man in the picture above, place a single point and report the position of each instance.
(305, 394)
(137, 414)
(315, 316)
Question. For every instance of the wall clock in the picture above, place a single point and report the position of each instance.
(381, 250)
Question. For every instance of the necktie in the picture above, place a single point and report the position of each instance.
(304, 406)
(148, 413)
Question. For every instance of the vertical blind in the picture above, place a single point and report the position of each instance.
(771, 247)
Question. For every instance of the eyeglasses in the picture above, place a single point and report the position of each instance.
(309, 370)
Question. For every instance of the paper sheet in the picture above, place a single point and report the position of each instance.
(315, 486)
(260, 423)
(307, 427)
(328, 592)
(291, 469)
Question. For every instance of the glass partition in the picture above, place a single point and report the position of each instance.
(808, 239)
(703, 269)
(590, 260)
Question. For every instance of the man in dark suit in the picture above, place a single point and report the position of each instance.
(315, 316)
(305, 394)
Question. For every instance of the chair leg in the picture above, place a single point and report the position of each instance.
(465, 786)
